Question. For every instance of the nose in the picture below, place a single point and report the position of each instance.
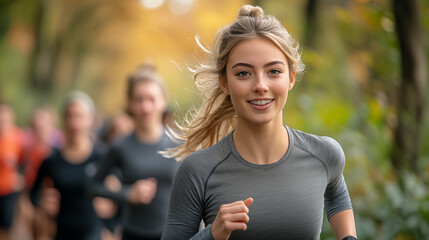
(146, 106)
(260, 85)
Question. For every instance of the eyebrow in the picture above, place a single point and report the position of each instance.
(266, 65)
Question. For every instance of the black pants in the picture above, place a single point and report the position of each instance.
(126, 235)
(7, 209)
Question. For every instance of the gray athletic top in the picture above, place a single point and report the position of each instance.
(138, 160)
(289, 195)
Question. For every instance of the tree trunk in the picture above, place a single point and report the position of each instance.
(413, 86)
(34, 74)
(311, 16)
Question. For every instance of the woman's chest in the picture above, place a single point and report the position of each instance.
(288, 200)
(147, 165)
(69, 177)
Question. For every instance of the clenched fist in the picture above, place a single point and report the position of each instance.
(231, 217)
(143, 191)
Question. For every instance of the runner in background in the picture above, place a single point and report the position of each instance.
(11, 159)
(117, 127)
(41, 136)
(147, 175)
(69, 168)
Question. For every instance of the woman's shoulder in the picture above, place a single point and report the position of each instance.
(205, 160)
(54, 155)
(123, 141)
(53, 159)
(325, 148)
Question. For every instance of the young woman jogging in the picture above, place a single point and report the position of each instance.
(246, 175)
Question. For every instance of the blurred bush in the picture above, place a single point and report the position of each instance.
(389, 210)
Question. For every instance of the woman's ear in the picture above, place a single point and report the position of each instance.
(291, 80)
(223, 84)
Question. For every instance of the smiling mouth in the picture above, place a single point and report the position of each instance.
(261, 102)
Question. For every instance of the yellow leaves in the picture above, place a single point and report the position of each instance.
(139, 33)
(359, 64)
(20, 38)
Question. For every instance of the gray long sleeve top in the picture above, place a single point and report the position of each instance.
(137, 160)
(289, 195)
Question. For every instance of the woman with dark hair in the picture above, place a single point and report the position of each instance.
(147, 175)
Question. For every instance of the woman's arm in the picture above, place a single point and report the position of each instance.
(186, 205)
(337, 199)
(37, 186)
(96, 185)
(141, 192)
(343, 224)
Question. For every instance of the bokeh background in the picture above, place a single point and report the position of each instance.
(352, 89)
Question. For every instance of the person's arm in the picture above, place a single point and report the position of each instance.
(186, 205)
(141, 192)
(37, 186)
(22, 162)
(337, 199)
(96, 184)
(343, 224)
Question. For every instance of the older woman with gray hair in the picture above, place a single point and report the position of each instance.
(68, 169)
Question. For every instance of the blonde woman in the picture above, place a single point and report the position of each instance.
(245, 174)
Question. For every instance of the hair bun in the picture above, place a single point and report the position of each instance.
(145, 70)
(251, 11)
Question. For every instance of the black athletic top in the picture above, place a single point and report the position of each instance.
(76, 218)
(137, 160)
(289, 195)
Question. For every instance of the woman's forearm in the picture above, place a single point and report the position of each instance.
(343, 224)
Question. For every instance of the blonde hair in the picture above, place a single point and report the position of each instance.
(216, 117)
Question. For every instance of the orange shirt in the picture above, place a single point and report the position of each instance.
(11, 156)
(35, 154)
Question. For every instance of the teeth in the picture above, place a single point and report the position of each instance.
(261, 102)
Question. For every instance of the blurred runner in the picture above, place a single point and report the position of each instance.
(147, 175)
(11, 159)
(69, 168)
(118, 127)
(41, 136)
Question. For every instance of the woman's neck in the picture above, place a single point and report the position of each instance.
(261, 143)
(77, 149)
(150, 135)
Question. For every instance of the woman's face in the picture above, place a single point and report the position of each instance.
(147, 104)
(258, 80)
(78, 120)
(6, 118)
(43, 123)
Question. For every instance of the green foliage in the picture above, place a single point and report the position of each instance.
(397, 211)
(391, 211)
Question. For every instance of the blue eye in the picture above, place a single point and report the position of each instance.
(243, 74)
(274, 72)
